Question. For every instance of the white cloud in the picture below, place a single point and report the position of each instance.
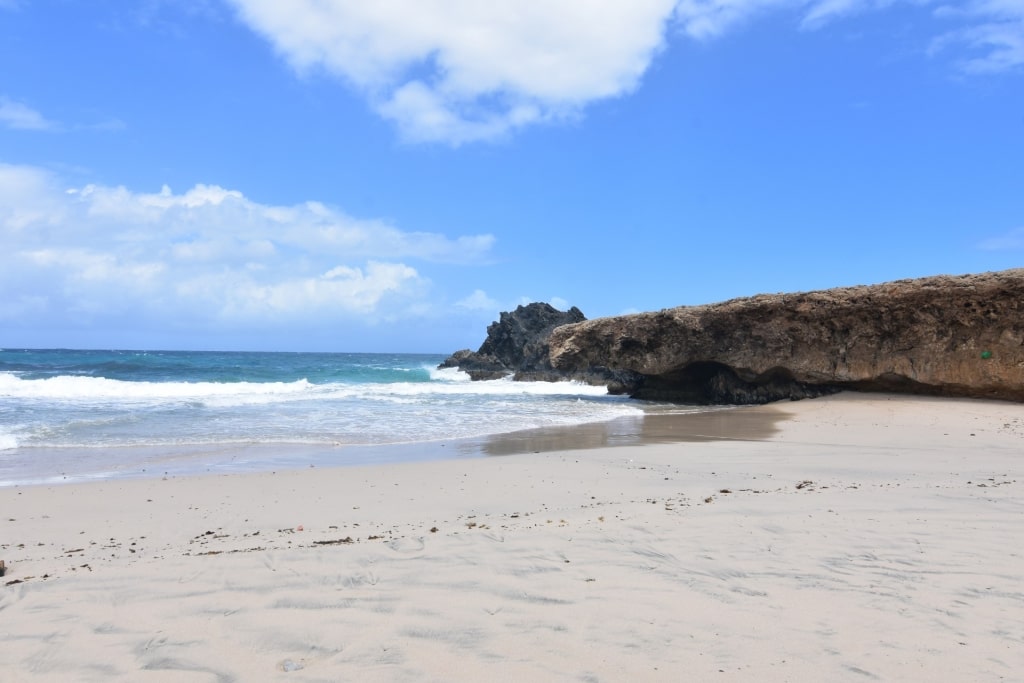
(992, 29)
(20, 116)
(26, 199)
(206, 254)
(995, 40)
(83, 266)
(559, 303)
(22, 306)
(210, 222)
(356, 290)
(1011, 240)
(823, 11)
(462, 70)
(459, 71)
(1004, 43)
(479, 301)
(705, 19)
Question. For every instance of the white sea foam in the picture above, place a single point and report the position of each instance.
(71, 387)
(8, 441)
(82, 423)
(447, 374)
(82, 416)
(92, 389)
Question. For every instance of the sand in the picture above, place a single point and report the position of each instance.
(854, 537)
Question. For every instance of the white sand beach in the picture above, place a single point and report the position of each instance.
(864, 537)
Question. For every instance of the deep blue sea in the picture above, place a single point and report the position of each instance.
(72, 415)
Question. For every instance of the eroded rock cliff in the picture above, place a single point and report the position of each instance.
(944, 335)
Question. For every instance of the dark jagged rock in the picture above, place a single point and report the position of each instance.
(476, 365)
(519, 339)
(517, 345)
(944, 336)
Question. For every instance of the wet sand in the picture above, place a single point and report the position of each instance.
(853, 537)
(660, 425)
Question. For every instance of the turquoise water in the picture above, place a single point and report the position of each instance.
(97, 411)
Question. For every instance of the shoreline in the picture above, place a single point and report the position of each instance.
(662, 425)
(865, 536)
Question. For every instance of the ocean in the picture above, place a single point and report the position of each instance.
(69, 415)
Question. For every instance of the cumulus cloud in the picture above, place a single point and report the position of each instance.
(208, 253)
(465, 70)
(208, 222)
(478, 301)
(20, 116)
(462, 71)
(355, 289)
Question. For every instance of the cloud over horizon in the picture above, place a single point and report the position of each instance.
(207, 254)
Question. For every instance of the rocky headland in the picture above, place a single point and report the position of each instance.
(943, 336)
(517, 346)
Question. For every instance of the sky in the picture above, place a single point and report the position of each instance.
(338, 175)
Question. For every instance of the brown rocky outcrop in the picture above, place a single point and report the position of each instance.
(944, 335)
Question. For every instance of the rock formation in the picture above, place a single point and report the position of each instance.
(944, 335)
(517, 345)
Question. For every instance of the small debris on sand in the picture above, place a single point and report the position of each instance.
(336, 541)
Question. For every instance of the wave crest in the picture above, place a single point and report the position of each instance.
(75, 387)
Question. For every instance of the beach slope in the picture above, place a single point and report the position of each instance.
(869, 537)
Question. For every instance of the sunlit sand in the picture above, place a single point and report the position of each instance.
(855, 537)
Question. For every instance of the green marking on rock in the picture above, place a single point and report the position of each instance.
(985, 355)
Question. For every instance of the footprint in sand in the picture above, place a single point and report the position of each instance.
(290, 665)
(407, 546)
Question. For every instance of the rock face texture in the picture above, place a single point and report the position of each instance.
(517, 345)
(944, 335)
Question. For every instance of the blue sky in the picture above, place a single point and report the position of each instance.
(388, 176)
